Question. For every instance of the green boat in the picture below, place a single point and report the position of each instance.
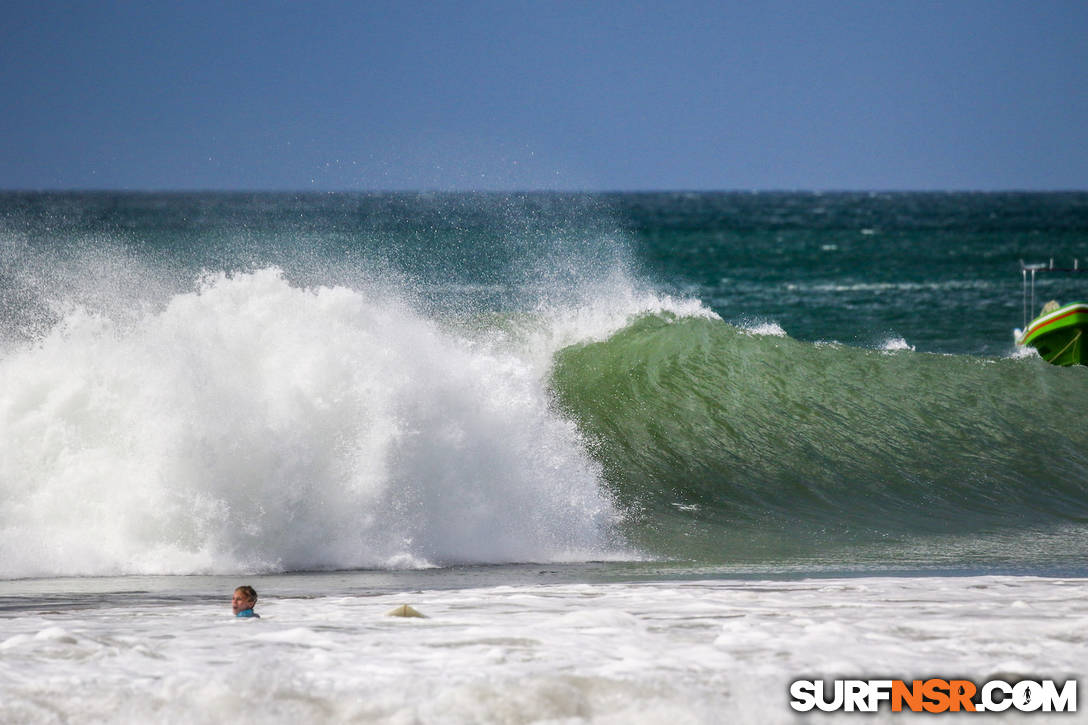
(1058, 334)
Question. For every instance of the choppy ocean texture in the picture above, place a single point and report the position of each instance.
(506, 645)
(639, 458)
(217, 383)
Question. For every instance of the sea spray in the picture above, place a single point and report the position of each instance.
(818, 505)
(256, 425)
(266, 401)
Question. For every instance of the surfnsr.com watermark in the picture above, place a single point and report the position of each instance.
(933, 695)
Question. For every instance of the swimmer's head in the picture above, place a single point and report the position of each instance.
(244, 598)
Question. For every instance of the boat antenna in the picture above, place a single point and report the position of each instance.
(1032, 308)
(1024, 269)
(1024, 292)
(1033, 268)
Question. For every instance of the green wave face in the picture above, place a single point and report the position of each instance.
(728, 446)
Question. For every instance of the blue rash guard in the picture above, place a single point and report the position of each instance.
(246, 613)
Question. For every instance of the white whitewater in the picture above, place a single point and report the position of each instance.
(253, 425)
(669, 652)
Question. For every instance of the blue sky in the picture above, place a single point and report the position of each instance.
(880, 94)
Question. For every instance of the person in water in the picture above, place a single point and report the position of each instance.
(243, 601)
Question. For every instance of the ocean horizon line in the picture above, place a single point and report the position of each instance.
(844, 191)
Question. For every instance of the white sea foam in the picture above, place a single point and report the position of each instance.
(768, 329)
(896, 344)
(629, 652)
(254, 425)
(616, 305)
(937, 286)
(1022, 351)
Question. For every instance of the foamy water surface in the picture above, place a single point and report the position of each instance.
(197, 387)
(645, 652)
(257, 425)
